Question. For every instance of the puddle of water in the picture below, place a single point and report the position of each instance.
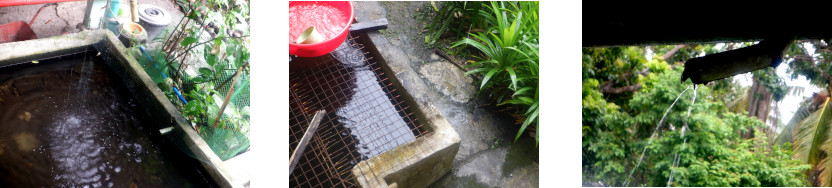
(521, 153)
(69, 122)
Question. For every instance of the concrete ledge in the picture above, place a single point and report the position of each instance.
(415, 164)
(16, 52)
(135, 78)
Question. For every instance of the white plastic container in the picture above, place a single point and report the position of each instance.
(154, 19)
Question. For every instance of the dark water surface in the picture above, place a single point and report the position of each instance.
(70, 122)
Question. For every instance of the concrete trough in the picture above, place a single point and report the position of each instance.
(402, 167)
(420, 162)
(149, 96)
(338, 83)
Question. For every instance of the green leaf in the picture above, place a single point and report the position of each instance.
(487, 77)
(219, 68)
(513, 77)
(242, 56)
(479, 70)
(205, 71)
(211, 59)
(192, 15)
(218, 41)
(527, 100)
(193, 107)
(433, 3)
(522, 91)
(198, 79)
(212, 111)
(533, 107)
(188, 41)
(526, 124)
(517, 101)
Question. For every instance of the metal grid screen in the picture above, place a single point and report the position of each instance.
(365, 115)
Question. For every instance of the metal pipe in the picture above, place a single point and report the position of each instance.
(8, 3)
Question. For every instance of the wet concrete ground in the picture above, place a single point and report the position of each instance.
(487, 156)
(52, 20)
(65, 17)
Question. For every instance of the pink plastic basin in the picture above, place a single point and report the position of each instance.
(340, 23)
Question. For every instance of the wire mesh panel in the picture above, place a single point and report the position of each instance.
(365, 115)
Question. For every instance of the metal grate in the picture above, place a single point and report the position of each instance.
(365, 115)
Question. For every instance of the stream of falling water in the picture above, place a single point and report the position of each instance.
(650, 141)
(684, 143)
(75, 147)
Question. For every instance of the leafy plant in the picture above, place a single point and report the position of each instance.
(225, 53)
(453, 13)
(509, 61)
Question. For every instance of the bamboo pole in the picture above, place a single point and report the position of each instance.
(227, 97)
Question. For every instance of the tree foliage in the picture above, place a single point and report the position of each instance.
(616, 128)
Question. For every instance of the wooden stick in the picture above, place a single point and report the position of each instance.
(227, 97)
(310, 132)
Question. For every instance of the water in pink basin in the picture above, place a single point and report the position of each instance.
(328, 20)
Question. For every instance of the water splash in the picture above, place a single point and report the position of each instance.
(74, 147)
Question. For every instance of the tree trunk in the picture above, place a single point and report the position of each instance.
(758, 104)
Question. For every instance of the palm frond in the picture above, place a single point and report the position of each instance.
(809, 136)
(825, 165)
(786, 135)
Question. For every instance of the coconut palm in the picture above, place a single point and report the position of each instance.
(812, 141)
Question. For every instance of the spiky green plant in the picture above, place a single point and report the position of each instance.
(813, 144)
(453, 13)
(510, 57)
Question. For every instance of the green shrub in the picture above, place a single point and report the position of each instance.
(510, 56)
